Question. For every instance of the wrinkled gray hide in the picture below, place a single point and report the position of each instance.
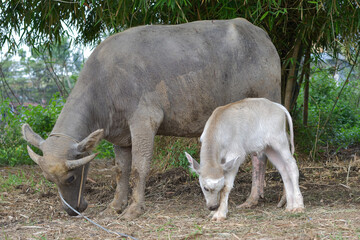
(156, 80)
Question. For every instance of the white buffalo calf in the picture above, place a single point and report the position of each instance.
(251, 126)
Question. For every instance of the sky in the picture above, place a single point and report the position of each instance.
(72, 34)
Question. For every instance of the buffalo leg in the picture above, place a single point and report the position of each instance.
(258, 178)
(123, 168)
(143, 131)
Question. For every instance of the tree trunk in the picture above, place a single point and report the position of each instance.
(291, 78)
(306, 87)
(297, 85)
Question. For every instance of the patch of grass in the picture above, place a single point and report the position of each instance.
(6, 237)
(338, 236)
(168, 227)
(198, 231)
(297, 215)
(41, 238)
(169, 152)
(11, 181)
(256, 217)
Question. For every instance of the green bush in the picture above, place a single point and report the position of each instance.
(105, 150)
(342, 128)
(12, 145)
(170, 152)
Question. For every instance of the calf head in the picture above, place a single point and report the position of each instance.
(212, 180)
(64, 162)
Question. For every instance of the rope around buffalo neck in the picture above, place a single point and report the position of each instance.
(81, 185)
(83, 168)
(96, 224)
(79, 196)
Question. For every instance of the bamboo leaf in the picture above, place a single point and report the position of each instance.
(264, 16)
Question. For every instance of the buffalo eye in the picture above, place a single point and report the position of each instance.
(70, 180)
(206, 189)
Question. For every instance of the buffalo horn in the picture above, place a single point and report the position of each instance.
(71, 164)
(36, 158)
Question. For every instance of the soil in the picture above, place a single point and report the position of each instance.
(175, 206)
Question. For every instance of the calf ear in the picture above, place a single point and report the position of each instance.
(30, 136)
(194, 165)
(229, 165)
(90, 141)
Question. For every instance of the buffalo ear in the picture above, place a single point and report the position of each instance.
(30, 136)
(90, 141)
(194, 165)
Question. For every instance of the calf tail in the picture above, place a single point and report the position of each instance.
(291, 131)
(289, 119)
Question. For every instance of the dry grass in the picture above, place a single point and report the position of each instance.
(175, 207)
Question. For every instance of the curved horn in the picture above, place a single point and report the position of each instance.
(71, 164)
(36, 158)
(31, 137)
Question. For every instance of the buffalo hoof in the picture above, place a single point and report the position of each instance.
(109, 211)
(249, 203)
(132, 212)
(118, 206)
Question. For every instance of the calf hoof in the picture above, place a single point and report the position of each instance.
(282, 202)
(296, 210)
(132, 212)
(218, 218)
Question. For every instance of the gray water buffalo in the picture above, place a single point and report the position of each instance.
(152, 80)
(250, 126)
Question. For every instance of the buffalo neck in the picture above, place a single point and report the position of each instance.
(80, 115)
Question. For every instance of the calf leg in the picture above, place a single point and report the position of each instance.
(221, 212)
(123, 167)
(282, 201)
(283, 160)
(143, 130)
(258, 178)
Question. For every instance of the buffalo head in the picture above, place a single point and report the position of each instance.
(65, 162)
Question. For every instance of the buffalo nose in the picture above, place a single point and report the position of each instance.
(82, 208)
(71, 212)
(213, 208)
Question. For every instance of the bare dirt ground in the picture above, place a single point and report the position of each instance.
(175, 206)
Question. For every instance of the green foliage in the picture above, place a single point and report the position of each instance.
(12, 180)
(342, 128)
(36, 78)
(41, 119)
(105, 150)
(47, 22)
(170, 151)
